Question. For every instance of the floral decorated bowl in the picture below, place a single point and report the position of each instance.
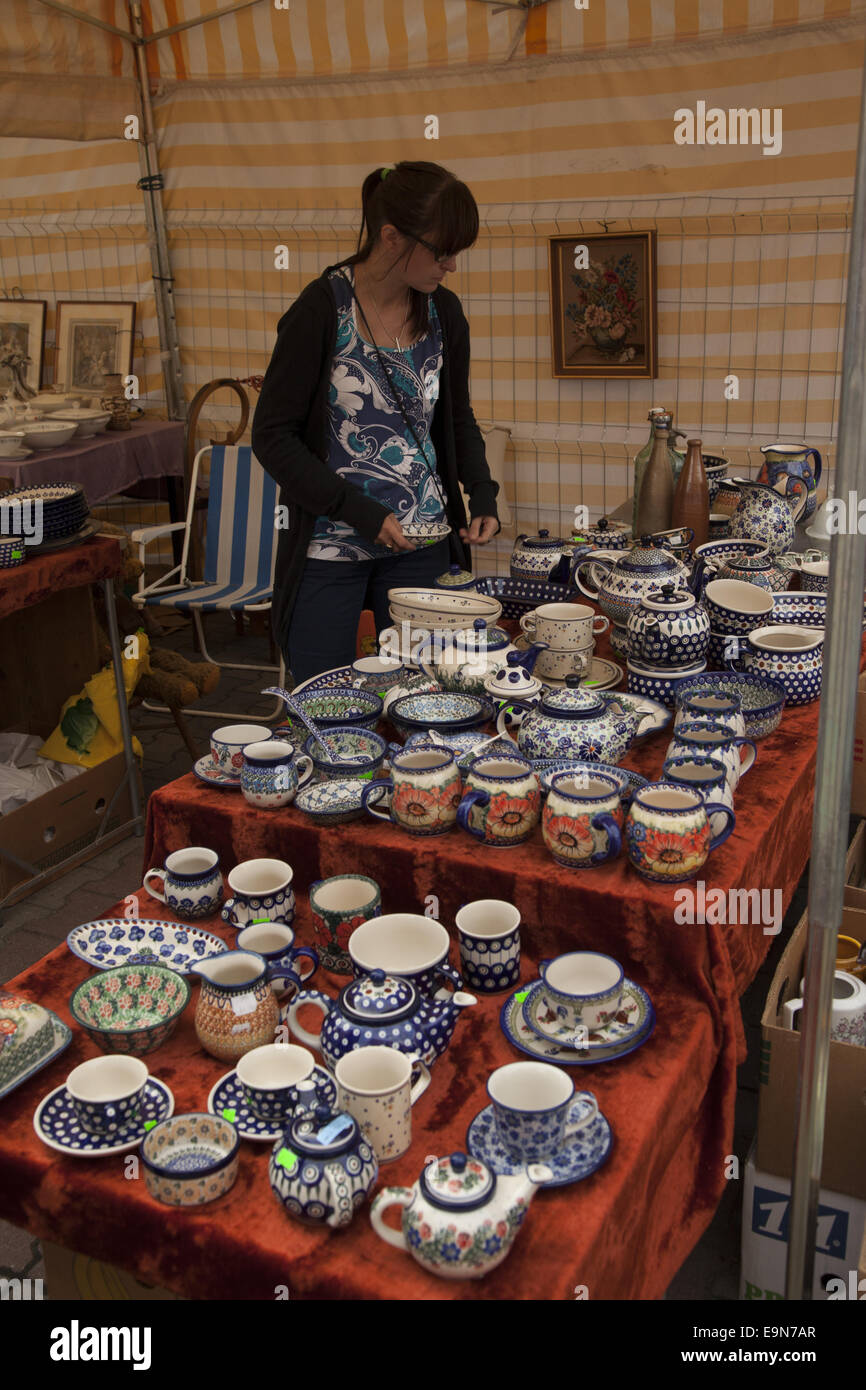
(190, 1159)
(442, 711)
(799, 609)
(366, 747)
(342, 706)
(131, 1009)
(762, 699)
(333, 802)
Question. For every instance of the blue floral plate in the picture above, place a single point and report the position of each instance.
(581, 1155)
(334, 802)
(113, 941)
(327, 680)
(228, 1096)
(57, 1124)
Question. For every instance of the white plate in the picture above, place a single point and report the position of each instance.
(17, 457)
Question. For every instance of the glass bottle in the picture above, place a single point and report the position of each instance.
(691, 504)
(655, 500)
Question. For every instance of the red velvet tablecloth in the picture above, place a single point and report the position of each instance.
(43, 574)
(623, 1232)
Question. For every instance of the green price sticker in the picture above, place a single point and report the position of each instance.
(365, 776)
(229, 1115)
(524, 994)
(149, 1124)
(288, 1160)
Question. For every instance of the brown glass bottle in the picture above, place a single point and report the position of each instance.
(655, 500)
(691, 505)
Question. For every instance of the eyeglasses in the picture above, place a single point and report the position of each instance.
(438, 255)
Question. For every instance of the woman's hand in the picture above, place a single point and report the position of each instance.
(391, 535)
(481, 530)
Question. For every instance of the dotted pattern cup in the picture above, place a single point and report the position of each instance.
(379, 1086)
(106, 1092)
(489, 936)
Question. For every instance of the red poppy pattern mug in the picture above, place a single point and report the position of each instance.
(667, 832)
(425, 788)
(582, 819)
(502, 801)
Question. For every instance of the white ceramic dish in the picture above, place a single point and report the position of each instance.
(432, 608)
(48, 434)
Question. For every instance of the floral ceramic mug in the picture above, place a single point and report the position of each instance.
(582, 819)
(667, 832)
(338, 906)
(501, 804)
(425, 788)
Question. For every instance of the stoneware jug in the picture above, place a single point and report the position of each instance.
(764, 514)
(786, 466)
(237, 1010)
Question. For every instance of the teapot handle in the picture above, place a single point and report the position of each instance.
(593, 567)
(390, 1197)
(341, 1197)
(321, 1001)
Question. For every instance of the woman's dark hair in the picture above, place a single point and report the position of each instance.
(420, 200)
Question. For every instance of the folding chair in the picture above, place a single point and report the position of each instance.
(240, 553)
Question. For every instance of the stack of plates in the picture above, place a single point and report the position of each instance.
(63, 505)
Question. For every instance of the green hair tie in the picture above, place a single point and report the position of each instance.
(386, 171)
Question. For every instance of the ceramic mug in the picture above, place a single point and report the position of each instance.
(405, 944)
(378, 673)
(191, 880)
(271, 774)
(848, 1012)
(582, 819)
(489, 936)
(708, 776)
(273, 1080)
(425, 790)
(262, 890)
(851, 956)
(702, 706)
(583, 989)
(705, 738)
(815, 576)
(555, 665)
(567, 627)
(275, 942)
(531, 1103)
(735, 606)
(502, 802)
(339, 905)
(228, 743)
(106, 1092)
(667, 831)
(793, 656)
(376, 1086)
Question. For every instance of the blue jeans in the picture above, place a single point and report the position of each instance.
(333, 594)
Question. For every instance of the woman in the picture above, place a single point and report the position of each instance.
(364, 420)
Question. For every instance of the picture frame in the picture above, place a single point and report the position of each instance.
(603, 310)
(22, 326)
(92, 340)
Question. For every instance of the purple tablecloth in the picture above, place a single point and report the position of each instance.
(108, 463)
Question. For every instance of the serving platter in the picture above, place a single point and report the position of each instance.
(109, 941)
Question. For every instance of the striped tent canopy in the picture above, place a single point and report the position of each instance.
(560, 119)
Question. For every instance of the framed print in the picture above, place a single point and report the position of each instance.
(22, 336)
(603, 305)
(92, 341)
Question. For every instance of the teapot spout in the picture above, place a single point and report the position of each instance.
(526, 1184)
(528, 658)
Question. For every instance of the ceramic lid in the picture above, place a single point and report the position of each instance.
(482, 638)
(378, 998)
(543, 541)
(574, 702)
(458, 1182)
(456, 578)
(669, 599)
(601, 528)
(649, 559)
(742, 561)
(323, 1133)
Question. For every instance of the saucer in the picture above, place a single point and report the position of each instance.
(630, 1021)
(57, 1124)
(228, 1096)
(580, 1156)
(17, 456)
(518, 1032)
(208, 771)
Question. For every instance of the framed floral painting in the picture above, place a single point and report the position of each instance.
(603, 305)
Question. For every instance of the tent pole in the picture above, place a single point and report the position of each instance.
(844, 634)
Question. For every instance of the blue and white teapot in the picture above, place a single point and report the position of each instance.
(322, 1169)
(580, 723)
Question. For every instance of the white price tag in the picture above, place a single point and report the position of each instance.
(243, 1004)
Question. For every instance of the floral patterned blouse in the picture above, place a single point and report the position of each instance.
(369, 443)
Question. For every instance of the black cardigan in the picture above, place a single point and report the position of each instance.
(290, 437)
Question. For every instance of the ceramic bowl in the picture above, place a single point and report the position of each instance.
(341, 707)
(735, 607)
(12, 552)
(45, 434)
(799, 609)
(793, 656)
(86, 422)
(717, 553)
(519, 596)
(657, 683)
(365, 745)
(332, 802)
(437, 608)
(425, 532)
(131, 1009)
(762, 699)
(46, 403)
(190, 1159)
(441, 711)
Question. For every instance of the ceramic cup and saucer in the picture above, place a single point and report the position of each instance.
(268, 1088)
(558, 1019)
(106, 1106)
(535, 1116)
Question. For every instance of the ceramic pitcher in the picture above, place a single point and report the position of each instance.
(764, 514)
(237, 1009)
(786, 466)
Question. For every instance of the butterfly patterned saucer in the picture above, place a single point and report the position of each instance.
(519, 1033)
(630, 1021)
(58, 1125)
(208, 771)
(227, 1101)
(579, 1156)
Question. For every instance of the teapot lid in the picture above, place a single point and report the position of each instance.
(543, 541)
(482, 638)
(743, 561)
(669, 599)
(323, 1132)
(456, 578)
(457, 1183)
(378, 998)
(649, 559)
(574, 702)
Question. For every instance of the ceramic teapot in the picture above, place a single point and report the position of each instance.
(459, 1219)
(788, 464)
(322, 1169)
(768, 515)
(237, 1009)
(580, 723)
(618, 583)
(543, 557)
(380, 1009)
(669, 628)
(470, 657)
(604, 535)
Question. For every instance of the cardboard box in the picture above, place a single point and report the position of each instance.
(844, 1161)
(80, 1277)
(64, 821)
(841, 1228)
(858, 780)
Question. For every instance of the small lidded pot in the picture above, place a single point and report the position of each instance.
(669, 628)
(456, 579)
(322, 1169)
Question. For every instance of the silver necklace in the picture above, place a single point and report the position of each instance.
(379, 317)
